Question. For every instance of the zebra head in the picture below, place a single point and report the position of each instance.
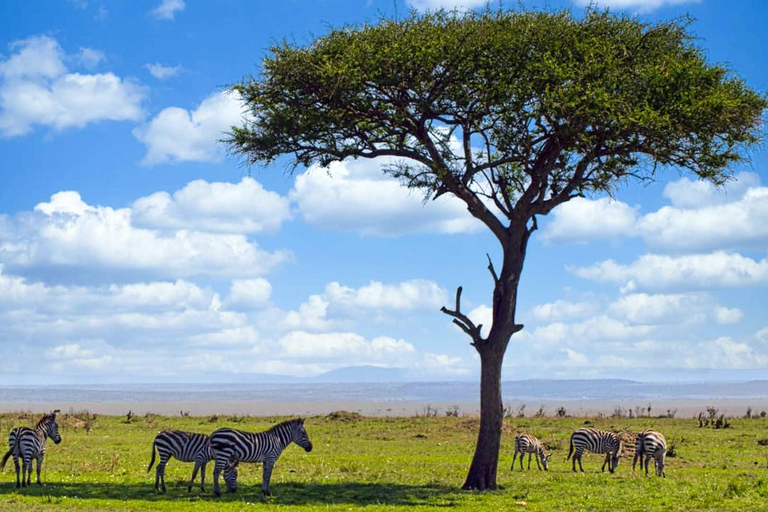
(615, 458)
(230, 476)
(49, 427)
(300, 436)
(545, 460)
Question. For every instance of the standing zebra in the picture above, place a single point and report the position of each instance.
(525, 443)
(651, 444)
(186, 447)
(27, 444)
(595, 441)
(231, 446)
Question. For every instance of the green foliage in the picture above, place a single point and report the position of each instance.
(396, 464)
(546, 106)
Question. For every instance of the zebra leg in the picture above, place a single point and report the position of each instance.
(634, 461)
(39, 466)
(202, 476)
(580, 466)
(538, 465)
(662, 473)
(606, 461)
(266, 476)
(647, 461)
(160, 477)
(573, 461)
(514, 458)
(18, 470)
(194, 475)
(26, 469)
(219, 465)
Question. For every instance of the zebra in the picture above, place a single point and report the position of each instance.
(653, 445)
(27, 444)
(232, 446)
(525, 443)
(595, 441)
(186, 447)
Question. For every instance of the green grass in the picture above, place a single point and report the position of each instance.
(394, 463)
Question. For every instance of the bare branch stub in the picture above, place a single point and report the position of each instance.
(463, 321)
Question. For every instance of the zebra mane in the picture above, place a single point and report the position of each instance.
(51, 416)
(292, 423)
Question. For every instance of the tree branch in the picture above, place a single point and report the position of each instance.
(464, 322)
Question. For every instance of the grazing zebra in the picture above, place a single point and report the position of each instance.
(653, 445)
(29, 443)
(595, 441)
(525, 443)
(186, 447)
(231, 446)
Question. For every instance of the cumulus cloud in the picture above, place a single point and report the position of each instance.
(167, 9)
(249, 294)
(67, 232)
(635, 5)
(179, 135)
(563, 310)
(726, 316)
(698, 271)
(244, 207)
(340, 198)
(408, 295)
(161, 72)
(701, 217)
(582, 220)
(37, 89)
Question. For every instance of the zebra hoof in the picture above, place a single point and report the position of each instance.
(217, 494)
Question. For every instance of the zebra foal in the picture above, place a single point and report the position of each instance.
(653, 445)
(231, 447)
(525, 443)
(186, 447)
(595, 441)
(29, 443)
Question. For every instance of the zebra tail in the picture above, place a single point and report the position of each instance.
(5, 459)
(152, 460)
(570, 451)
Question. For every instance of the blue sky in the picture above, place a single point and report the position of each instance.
(133, 249)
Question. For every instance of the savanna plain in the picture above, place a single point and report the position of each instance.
(392, 464)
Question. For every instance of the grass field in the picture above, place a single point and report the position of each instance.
(394, 463)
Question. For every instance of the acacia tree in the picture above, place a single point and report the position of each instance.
(513, 113)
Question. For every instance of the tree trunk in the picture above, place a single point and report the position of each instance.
(482, 472)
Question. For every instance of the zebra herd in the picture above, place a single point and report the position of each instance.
(228, 447)
(648, 443)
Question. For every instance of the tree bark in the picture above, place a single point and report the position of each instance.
(482, 472)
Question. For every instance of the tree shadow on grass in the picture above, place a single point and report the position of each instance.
(291, 493)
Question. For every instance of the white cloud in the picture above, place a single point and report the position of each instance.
(762, 335)
(90, 58)
(36, 89)
(698, 271)
(642, 308)
(564, 310)
(724, 352)
(244, 207)
(248, 294)
(635, 5)
(178, 135)
(345, 345)
(167, 9)
(726, 316)
(408, 295)
(67, 232)
(161, 72)
(356, 196)
(742, 222)
(482, 315)
(582, 220)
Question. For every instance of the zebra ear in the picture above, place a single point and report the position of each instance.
(301, 421)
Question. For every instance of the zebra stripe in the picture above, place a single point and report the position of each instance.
(186, 447)
(653, 445)
(27, 444)
(232, 446)
(595, 441)
(525, 443)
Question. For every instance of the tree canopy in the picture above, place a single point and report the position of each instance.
(542, 105)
